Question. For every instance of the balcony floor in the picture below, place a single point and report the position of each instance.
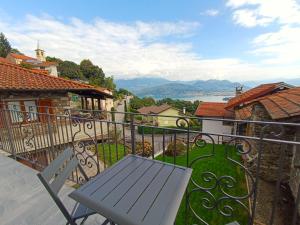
(24, 201)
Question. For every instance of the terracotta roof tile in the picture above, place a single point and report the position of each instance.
(253, 93)
(19, 56)
(213, 109)
(4, 60)
(154, 109)
(282, 105)
(14, 77)
(39, 63)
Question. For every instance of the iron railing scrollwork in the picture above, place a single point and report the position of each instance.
(99, 141)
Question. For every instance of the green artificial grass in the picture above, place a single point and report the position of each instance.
(220, 166)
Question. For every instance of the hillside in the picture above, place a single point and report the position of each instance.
(161, 88)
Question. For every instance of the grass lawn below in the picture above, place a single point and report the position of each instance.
(217, 164)
(109, 154)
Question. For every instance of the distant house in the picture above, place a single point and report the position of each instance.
(235, 108)
(158, 115)
(38, 63)
(215, 111)
(262, 90)
(29, 90)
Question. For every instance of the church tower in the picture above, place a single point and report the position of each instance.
(40, 54)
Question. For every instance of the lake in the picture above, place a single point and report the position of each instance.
(206, 98)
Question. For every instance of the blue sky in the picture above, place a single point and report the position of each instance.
(176, 39)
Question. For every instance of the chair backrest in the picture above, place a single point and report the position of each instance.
(56, 173)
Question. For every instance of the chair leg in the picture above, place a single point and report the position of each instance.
(105, 222)
(84, 219)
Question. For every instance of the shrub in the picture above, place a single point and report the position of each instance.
(146, 152)
(180, 148)
(138, 117)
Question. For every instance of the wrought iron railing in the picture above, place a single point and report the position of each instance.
(229, 169)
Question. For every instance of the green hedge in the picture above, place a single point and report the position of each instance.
(148, 130)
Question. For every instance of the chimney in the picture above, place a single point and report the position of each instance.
(238, 90)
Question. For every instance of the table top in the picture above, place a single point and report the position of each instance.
(136, 191)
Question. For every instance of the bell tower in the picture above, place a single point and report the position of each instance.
(40, 54)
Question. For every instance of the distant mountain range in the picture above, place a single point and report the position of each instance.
(161, 88)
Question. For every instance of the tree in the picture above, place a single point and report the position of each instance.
(5, 47)
(70, 70)
(92, 72)
(53, 59)
(16, 51)
(136, 103)
(109, 83)
(148, 101)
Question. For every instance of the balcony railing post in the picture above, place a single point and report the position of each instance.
(10, 136)
(132, 129)
(50, 131)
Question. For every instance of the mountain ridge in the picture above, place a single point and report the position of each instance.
(162, 88)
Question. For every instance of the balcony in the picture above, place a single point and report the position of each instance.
(249, 175)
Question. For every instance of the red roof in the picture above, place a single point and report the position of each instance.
(19, 56)
(213, 109)
(253, 93)
(154, 109)
(39, 63)
(243, 113)
(4, 60)
(17, 78)
(282, 105)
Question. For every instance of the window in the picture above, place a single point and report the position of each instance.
(15, 111)
(30, 108)
(18, 108)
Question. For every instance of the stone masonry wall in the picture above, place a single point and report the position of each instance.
(271, 151)
(295, 171)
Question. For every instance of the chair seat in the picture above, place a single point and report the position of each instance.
(81, 211)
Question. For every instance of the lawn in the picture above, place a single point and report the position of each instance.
(111, 153)
(217, 164)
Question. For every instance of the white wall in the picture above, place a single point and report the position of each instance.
(52, 70)
(215, 127)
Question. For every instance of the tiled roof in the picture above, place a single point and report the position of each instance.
(39, 63)
(19, 56)
(253, 93)
(154, 109)
(4, 60)
(14, 77)
(213, 109)
(282, 105)
(243, 113)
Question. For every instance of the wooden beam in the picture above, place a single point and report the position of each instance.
(99, 104)
(93, 105)
(86, 103)
(82, 103)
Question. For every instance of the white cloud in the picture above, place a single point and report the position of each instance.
(277, 47)
(263, 12)
(210, 12)
(250, 18)
(133, 49)
(281, 47)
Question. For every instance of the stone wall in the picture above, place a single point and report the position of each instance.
(295, 170)
(270, 155)
(61, 103)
